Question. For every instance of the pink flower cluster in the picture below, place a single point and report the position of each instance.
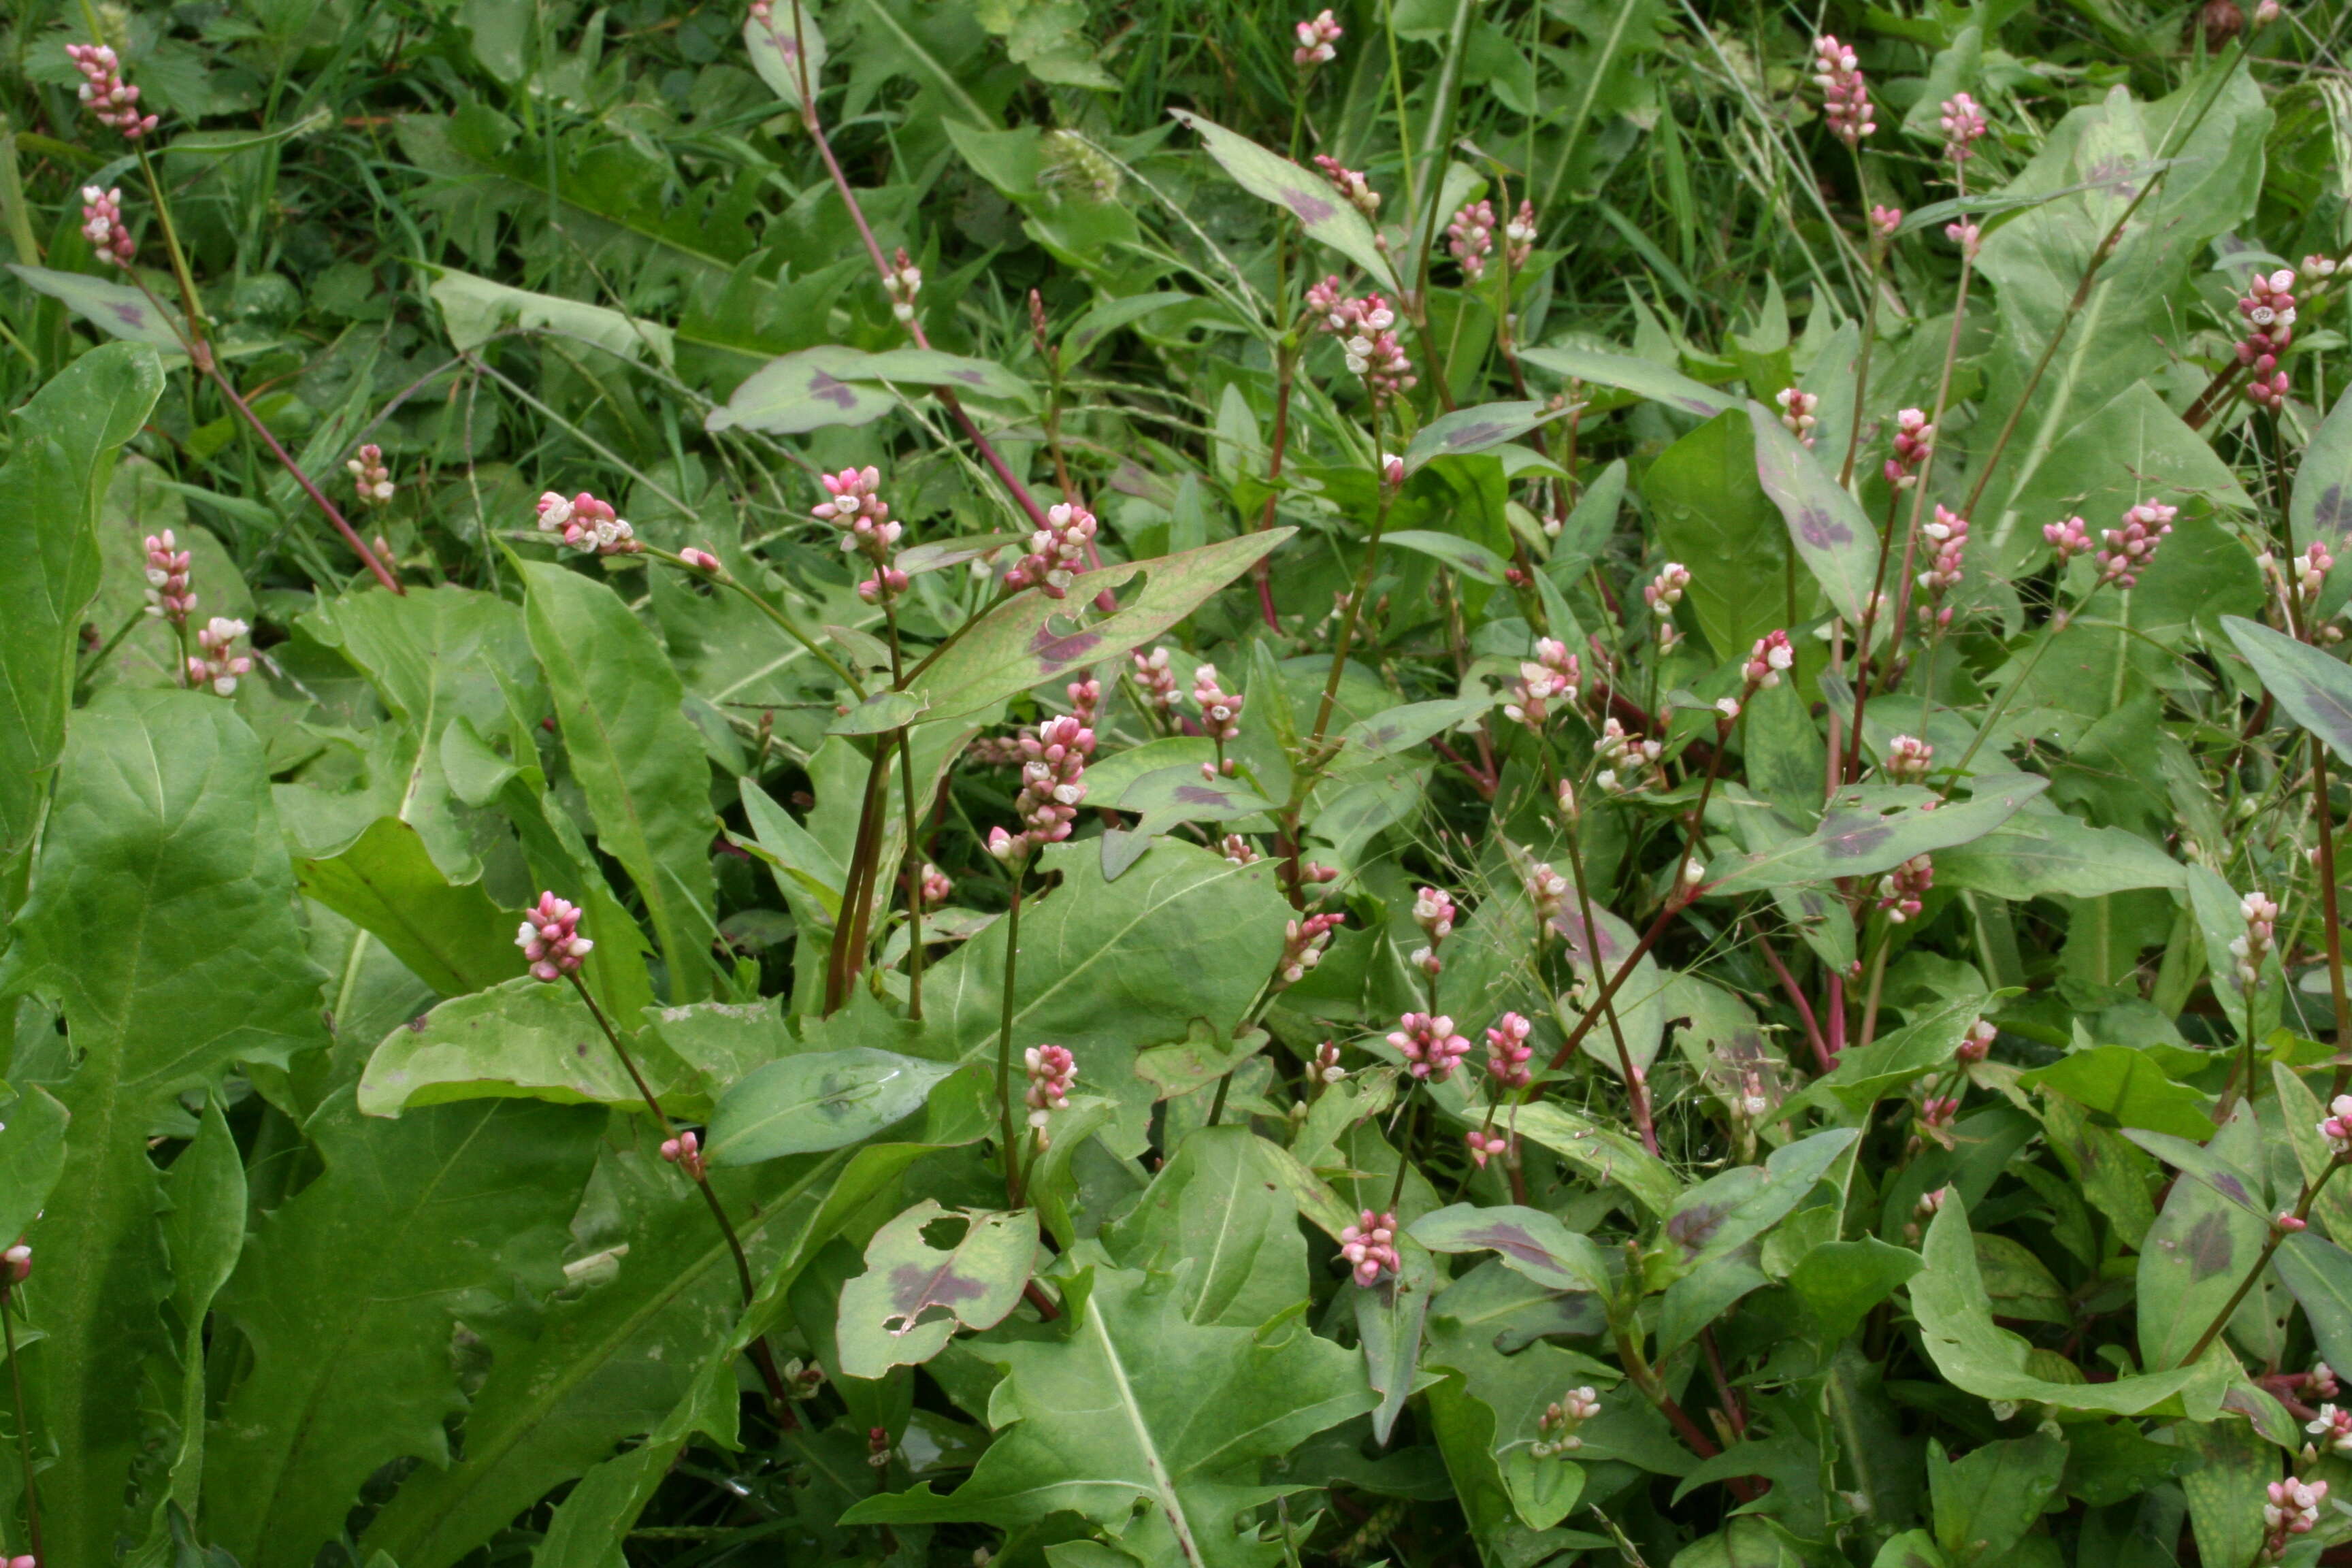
(1553, 673)
(1304, 942)
(1901, 890)
(2292, 1510)
(1052, 1071)
(550, 938)
(370, 477)
(1885, 221)
(1625, 760)
(113, 101)
(1433, 911)
(1326, 1067)
(101, 225)
(1665, 590)
(1547, 892)
(1845, 97)
(1370, 1247)
(1949, 533)
(1797, 412)
(1484, 1143)
(2310, 574)
(1154, 678)
(1519, 235)
(902, 282)
(212, 665)
(1053, 783)
(1907, 758)
(1220, 711)
(2252, 945)
(2071, 538)
(1430, 1048)
(1771, 658)
(1977, 1044)
(2337, 1126)
(1508, 1053)
(1559, 1420)
(1968, 237)
(1914, 439)
(1238, 849)
(1055, 551)
(866, 528)
(936, 886)
(2268, 306)
(2130, 548)
(1317, 35)
(1470, 237)
(684, 1152)
(1365, 328)
(2333, 1425)
(1353, 187)
(585, 524)
(1963, 123)
(169, 597)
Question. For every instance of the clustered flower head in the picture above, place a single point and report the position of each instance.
(1901, 891)
(1969, 237)
(1317, 35)
(212, 665)
(585, 524)
(1977, 1043)
(1484, 1143)
(1519, 235)
(1771, 658)
(2333, 1427)
(370, 477)
(17, 1265)
(1559, 1420)
(902, 282)
(1370, 1247)
(101, 225)
(1963, 122)
(1431, 1047)
(1907, 758)
(1553, 673)
(1353, 187)
(1055, 551)
(684, 1152)
(1914, 439)
(1154, 680)
(1220, 711)
(1364, 328)
(113, 101)
(1665, 590)
(935, 886)
(2309, 573)
(2292, 1510)
(1845, 97)
(1547, 891)
(2337, 1126)
(1052, 1071)
(169, 597)
(1304, 941)
(1797, 412)
(1949, 535)
(2268, 306)
(1508, 1053)
(2253, 944)
(1053, 783)
(550, 938)
(1936, 1113)
(1239, 850)
(2071, 537)
(1625, 760)
(1886, 220)
(2130, 548)
(866, 528)
(1433, 911)
(1326, 1067)
(1470, 237)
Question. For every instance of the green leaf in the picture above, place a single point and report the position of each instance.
(2209, 1233)
(451, 936)
(1310, 198)
(2225, 1488)
(115, 309)
(520, 1039)
(635, 756)
(1841, 1281)
(1640, 1003)
(1467, 557)
(1401, 728)
(2036, 854)
(478, 308)
(2319, 1274)
(913, 1294)
(1980, 1357)
(1712, 514)
(806, 390)
(883, 712)
(163, 826)
(1985, 1503)
(1018, 646)
(348, 1295)
(1635, 375)
(2128, 1085)
(1139, 1408)
(32, 1155)
(1465, 430)
(1223, 1201)
(1529, 1241)
(1866, 831)
(929, 367)
(1602, 1152)
(825, 1100)
(588, 1525)
(65, 442)
(1826, 524)
(774, 43)
(2315, 688)
(2320, 508)
(1166, 797)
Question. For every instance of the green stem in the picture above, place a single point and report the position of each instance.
(1004, 1040)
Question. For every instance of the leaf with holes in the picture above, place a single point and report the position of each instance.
(1833, 537)
(916, 1289)
(1309, 197)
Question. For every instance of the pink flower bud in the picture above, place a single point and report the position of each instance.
(1370, 1247)
(550, 938)
(700, 560)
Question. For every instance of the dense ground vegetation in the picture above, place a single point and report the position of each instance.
(938, 781)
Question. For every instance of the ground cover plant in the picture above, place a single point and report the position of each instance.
(951, 781)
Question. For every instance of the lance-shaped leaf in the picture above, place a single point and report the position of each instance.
(1225, 1201)
(775, 42)
(1529, 1240)
(1980, 1357)
(1164, 797)
(819, 1101)
(1601, 1153)
(1467, 557)
(115, 309)
(2034, 855)
(2211, 1230)
(2127, 1085)
(1474, 430)
(32, 1156)
(803, 391)
(1833, 537)
(1317, 206)
(349, 1293)
(1868, 831)
(2314, 688)
(478, 308)
(1639, 1005)
(2319, 1273)
(450, 935)
(902, 1310)
(929, 367)
(1139, 1408)
(163, 828)
(1019, 646)
(2320, 509)
(1727, 1211)
(521, 1039)
(1638, 376)
(638, 758)
(1401, 728)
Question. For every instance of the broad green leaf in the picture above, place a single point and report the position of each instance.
(1467, 557)
(163, 826)
(1726, 1212)
(635, 756)
(349, 1293)
(1871, 830)
(1978, 1356)
(1640, 1004)
(1474, 430)
(1639, 376)
(1018, 645)
(2319, 509)
(1390, 1317)
(32, 1156)
(1712, 515)
(929, 367)
(883, 711)
(913, 1294)
(477, 309)
(1864, 1073)
(2315, 688)
(115, 309)
(2133, 448)
(1401, 728)
(1164, 797)
(1528, 1240)
(520, 1039)
(1826, 524)
(1841, 1281)
(825, 1100)
(2232, 1465)
(1985, 1503)
(1602, 1152)
(2128, 1085)
(2036, 854)
(2319, 1273)
(1310, 198)
(801, 391)
(2020, 1284)
(65, 441)
(775, 44)
(452, 937)
(2301, 1111)
(588, 1525)
(1224, 1202)
(1139, 1408)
